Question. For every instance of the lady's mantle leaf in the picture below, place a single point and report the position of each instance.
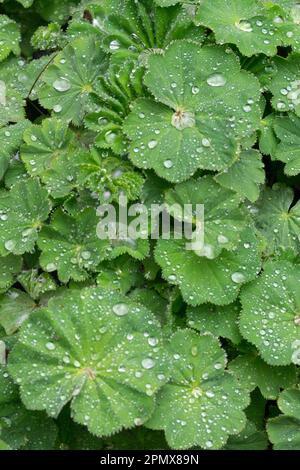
(270, 317)
(202, 404)
(287, 129)
(252, 372)
(70, 245)
(278, 219)
(204, 103)
(218, 321)
(9, 37)
(15, 308)
(22, 212)
(203, 280)
(245, 175)
(247, 24)
(9, 266)
(224, 219)
(70, 80)
(284, 430)
(103, 353)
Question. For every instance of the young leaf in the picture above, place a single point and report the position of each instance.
(23, 209)
(176, 134)
(270, 315)
(16, 306)
(9, 267)
(70, 245)
(200, 387)
(95, 353)
(249, 439)
(69, 81)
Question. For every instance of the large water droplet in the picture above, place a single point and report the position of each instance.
(152, 144)
(10, 244)
(50, 346)
(114, 45)
(216, 80)
(244, 26)
(168, 164)
(120, 309)
(62, 84)
(238, 278)
(148, 363)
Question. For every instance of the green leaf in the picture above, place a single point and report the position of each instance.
(120, 274)
(284, 433)
(287, 129)
(203, 280)
(200, 387)
(278, 219)
(9, 267)
(36, 284)
(252, 372)
(11, 100)
(224, 219)
(95, 353)
(285, 85)
(245, 175)
(270, 315)
(22, 429)
(249, 439)
(253, 28)
(176, 134)
(11, 138)
(69, 81)
(16, 306)
(70, 245)
(9, 37)
(289, 403)
(218, 321)
(23, 210)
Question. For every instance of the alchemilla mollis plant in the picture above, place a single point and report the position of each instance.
(164, 342)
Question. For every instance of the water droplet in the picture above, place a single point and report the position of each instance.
(33, 138)
(206, 142)
(50, 346)
(110, 137)
(216, 80)
(244, 26)
(148, 363)
(10, 245)
(183, 119)
(222, 240)
(86, 255)
(138, 421)
(51, 267)
(168, 164)
(208, 444)
(152, 144)
(195, 90)
(142, 116)
(247, 108)
(238, 278)
(77, 364)
(120, 309)
(197, 392)
(114, 45)
(153, 341)
(62, 84)
(57, 108)
(209, 394)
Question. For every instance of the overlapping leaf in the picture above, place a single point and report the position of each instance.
(270, 316)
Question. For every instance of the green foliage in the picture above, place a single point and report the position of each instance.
(160, 341)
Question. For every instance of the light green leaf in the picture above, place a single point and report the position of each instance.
(278, 219)
(270, 316)
(251, 372)
(23, 210)
(70, 79)
(218, 321)
(9, 37)
(70, 245)
(200, 387)
(176, 134)
(245, 175)
(203, 280)
(96, 355)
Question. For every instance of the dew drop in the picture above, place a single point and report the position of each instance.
(120, 309)
(10, 245)
(50, 346)
(148, 363)
(216, 80)
(62, 84)
(238, 278)
(57, 108)
(168, 164)
(152, 144)
(114, 45)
